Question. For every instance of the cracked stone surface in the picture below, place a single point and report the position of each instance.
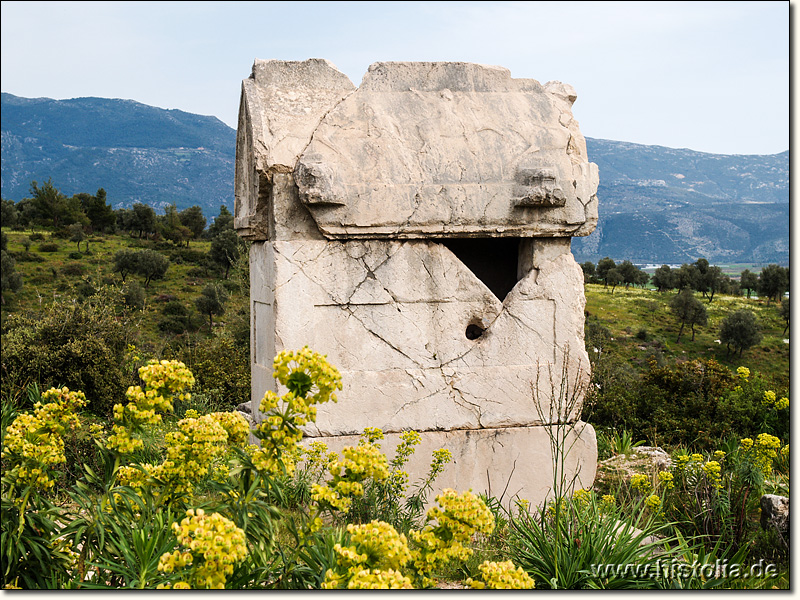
(417, 150)
(422, 149)
(349, 197)
(392, 315)
(508, 463)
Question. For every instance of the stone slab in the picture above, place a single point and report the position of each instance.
(507, 463)
(393, 317)
(419, 150)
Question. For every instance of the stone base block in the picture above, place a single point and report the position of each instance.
(507, 463)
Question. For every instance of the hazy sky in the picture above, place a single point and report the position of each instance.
(710, 76)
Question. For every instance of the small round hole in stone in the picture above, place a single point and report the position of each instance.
(474, 331)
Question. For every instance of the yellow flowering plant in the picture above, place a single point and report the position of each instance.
(348, 474)
(195, 450)
(164, 381)
(652, 502)
(378, 557)
(501, 576)
(715, 495)
(762, 452)
(755, 402)
(310, 380)
(385, 499)
(447, 533)
(375, 558)
(641, 483)
(212, 546)
(129, 536)
(33, 447)
(666, 480)
(33, 443)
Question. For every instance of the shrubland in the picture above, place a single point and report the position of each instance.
(134, 447)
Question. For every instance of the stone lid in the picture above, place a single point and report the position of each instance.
(421, 149)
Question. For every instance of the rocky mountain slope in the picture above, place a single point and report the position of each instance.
(137, 153)
(666, 205)
(657, 204)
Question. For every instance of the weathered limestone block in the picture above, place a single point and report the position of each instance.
(418, 150)
(425, 149)
(508, 462)
(417, 231)
(281, 105)
(394, 320)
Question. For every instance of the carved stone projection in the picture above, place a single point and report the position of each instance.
(417, 230)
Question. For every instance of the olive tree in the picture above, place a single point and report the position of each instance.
(76, 235)
(225, 249)
(748, 281)
(151, 265)
(740, 331)
(689, 311)
(212, 302)
(664, 278)
(125, 262)
(604, 265)
(193, 219)
(773, 282)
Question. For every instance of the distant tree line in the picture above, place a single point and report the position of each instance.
(79, 217)
(699, 276)
(48, 207)
(738, 331)
(609, 273)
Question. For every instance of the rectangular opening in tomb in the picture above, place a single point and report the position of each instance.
(495, 261)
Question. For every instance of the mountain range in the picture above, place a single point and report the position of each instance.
(657, 204)
(137, 153)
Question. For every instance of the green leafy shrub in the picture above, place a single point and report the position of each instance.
(75, 255)
(197, 272)
(80, 345)
(754, 404)
(714, 497)
(211, 302)
(222, 370)
(133, 294)
(29, 257)
(72, 269)
(699, 402)
(33, 554)
(11, 278)
(613, 398)
(682, 402)
(188, 255)
(177, 319)
(48, 247)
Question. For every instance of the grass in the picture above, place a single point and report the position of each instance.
(48, 276)
(640, 322)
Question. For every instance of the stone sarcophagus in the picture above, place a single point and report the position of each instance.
(417, 230)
